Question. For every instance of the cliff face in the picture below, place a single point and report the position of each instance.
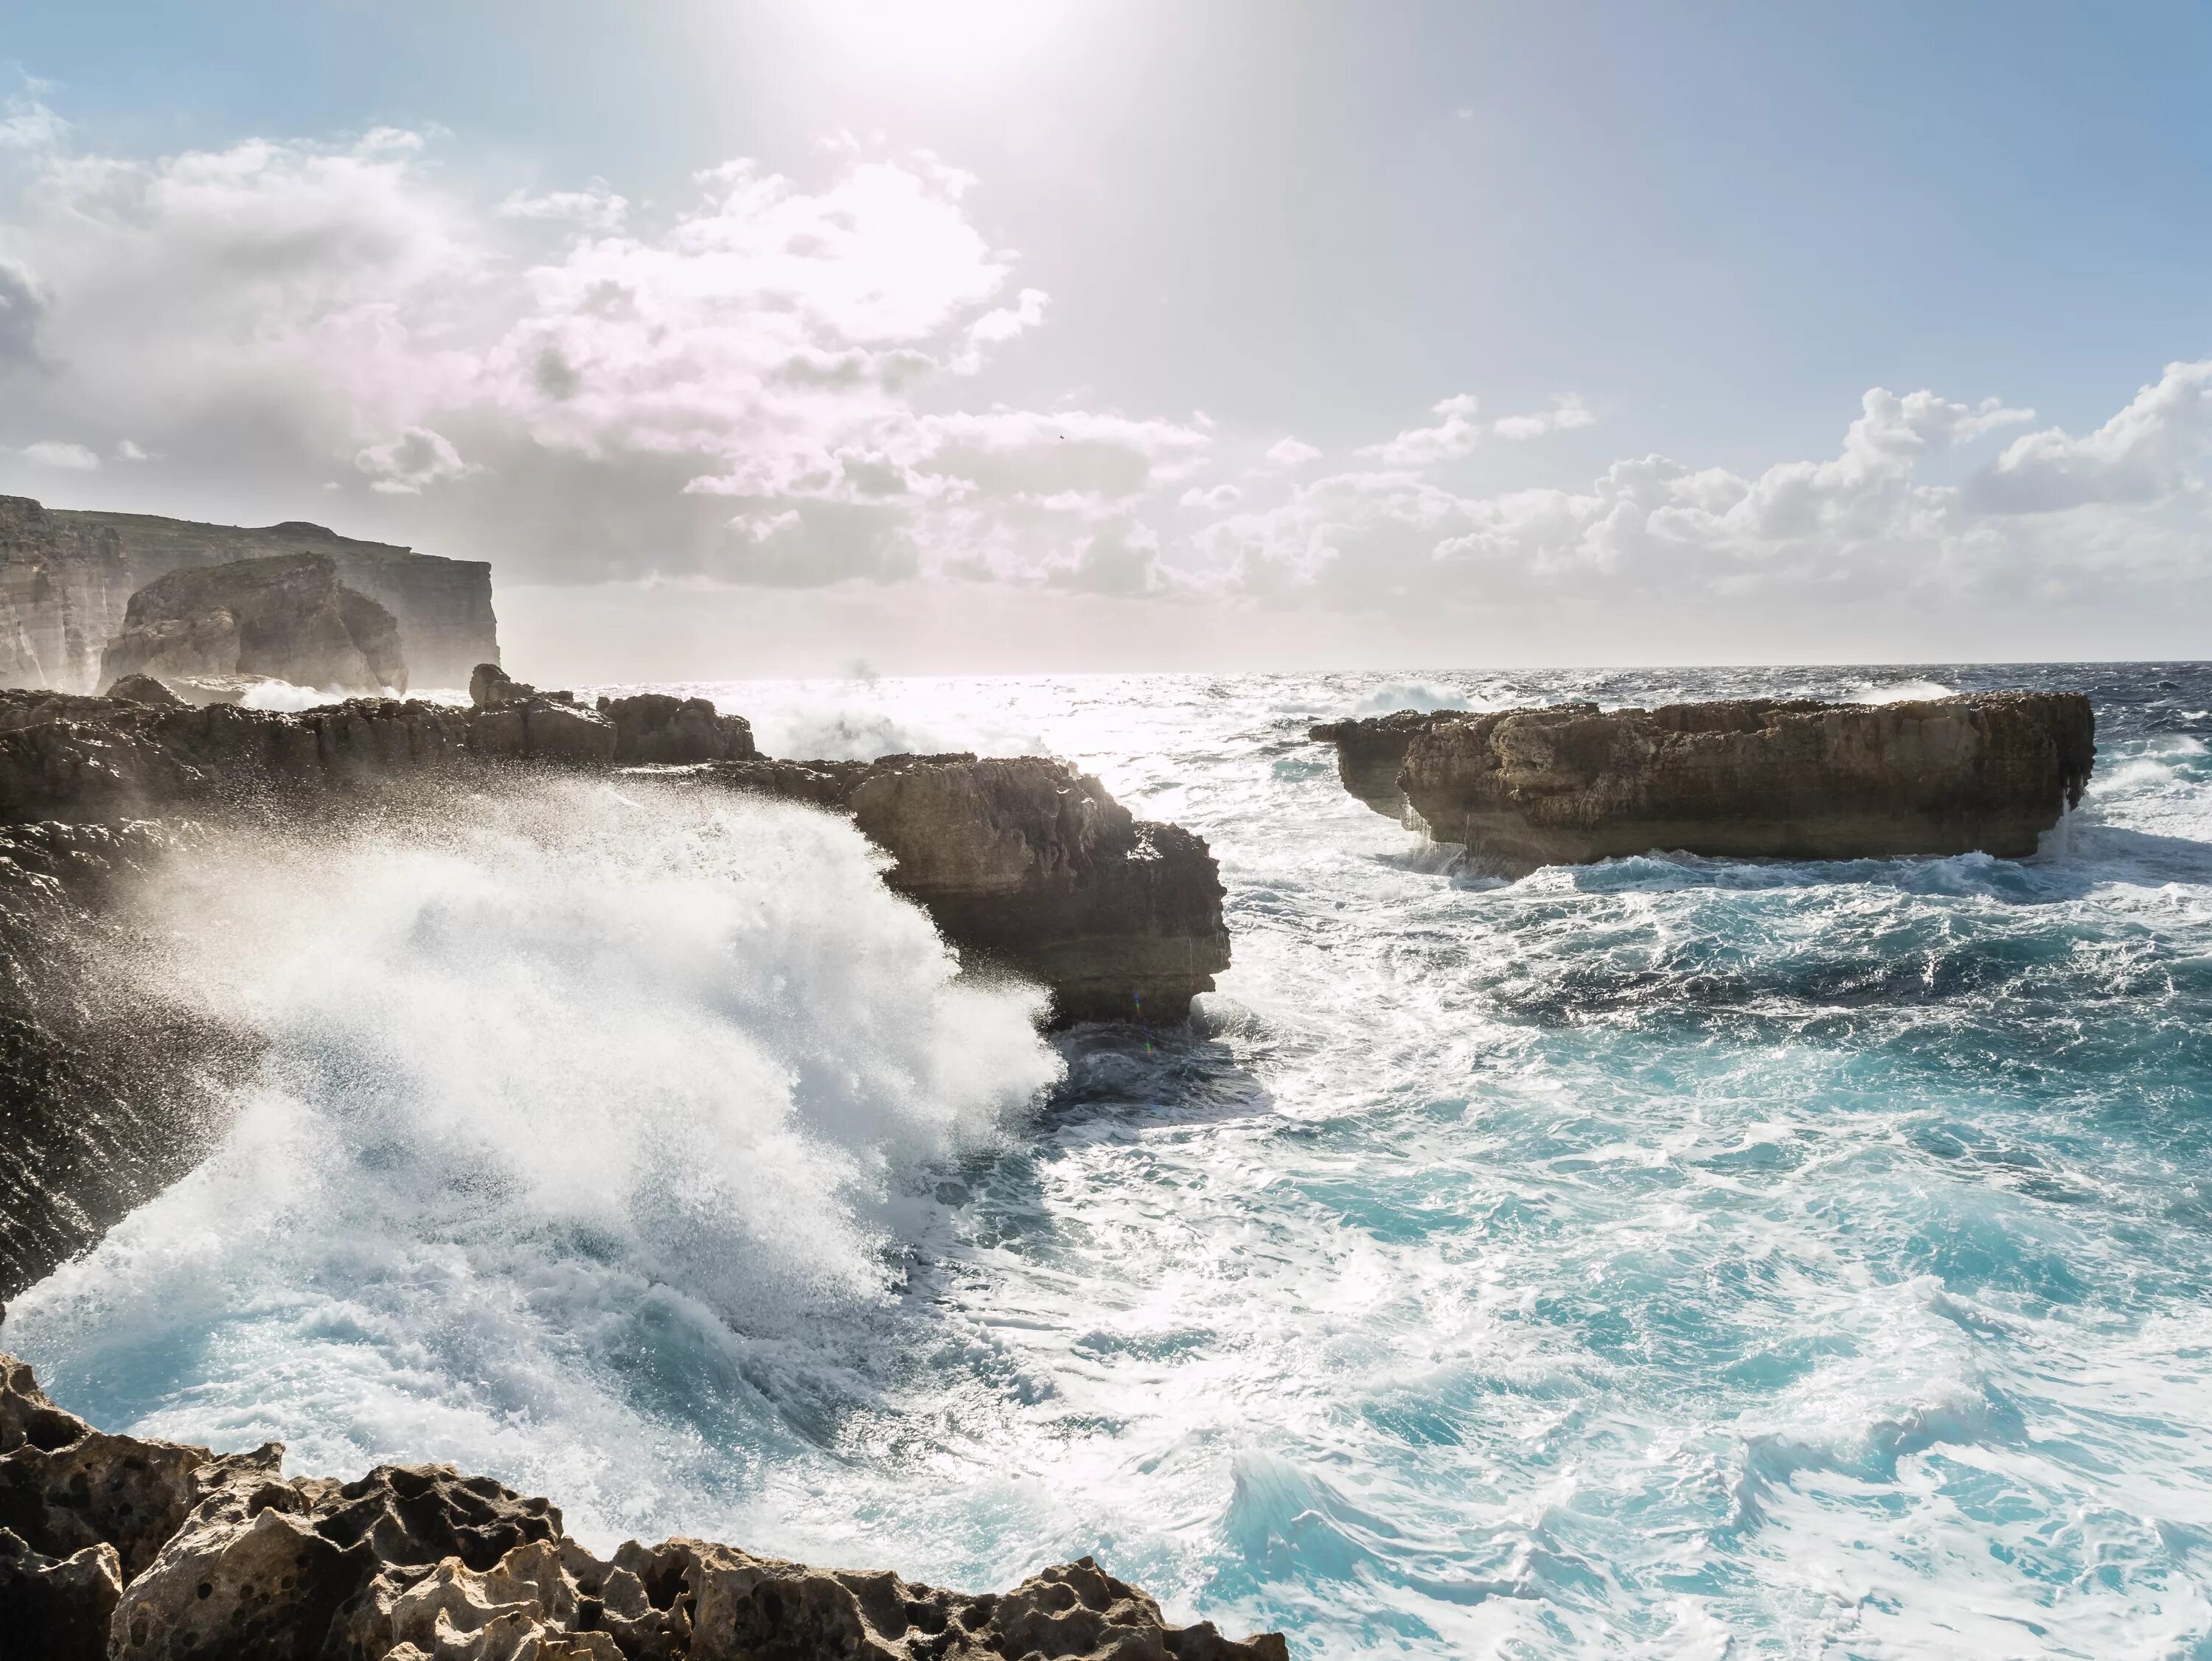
(63, 588)
(1753, 777)
(67, 576)
(114, 1548)
(287, 617)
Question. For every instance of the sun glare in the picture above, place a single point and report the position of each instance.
(949, 40)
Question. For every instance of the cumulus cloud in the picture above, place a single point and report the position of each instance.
(773, 382)
(418, 458)
(69, 457)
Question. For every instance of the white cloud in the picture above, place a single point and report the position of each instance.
(1456, 435)
(1566, 413)
(418, 458)
(69, 457)
(770, 383)
(27, 124)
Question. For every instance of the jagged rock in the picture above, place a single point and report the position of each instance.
(144, 690)
(57, 1610)
(1752, 778)
(491, 687)
(231, 1559)
(654, 726)
(109, 1093)
(1369, 752)
(1028, 863)
(288, 617)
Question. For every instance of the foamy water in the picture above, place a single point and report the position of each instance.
(1666, 1257)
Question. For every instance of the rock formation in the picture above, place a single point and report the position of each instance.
(63, 588)
(1747, 778)
(287, 618)
(1031, 866)
(1022, 863)
(65, 578)
(1369, 752)
(114, 1548)
(109, 1093)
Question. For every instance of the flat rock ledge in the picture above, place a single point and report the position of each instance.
(112, 1548)
(1755, 777)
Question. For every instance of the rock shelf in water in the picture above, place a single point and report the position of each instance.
(1754, 778)
(114, 1548)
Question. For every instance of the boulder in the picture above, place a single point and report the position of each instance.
(419, 1563)
(286, 617)
(655, 727)
(1746, 778)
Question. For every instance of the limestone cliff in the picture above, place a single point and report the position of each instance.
(286, 618)
(66, 576)
(62, 589)
(1746, 778)
(114, 1548)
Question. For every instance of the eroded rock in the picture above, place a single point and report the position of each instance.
(419, 1563)
(1745, 779)
(655, 727)
(287, 617)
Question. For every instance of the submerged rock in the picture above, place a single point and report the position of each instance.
(286, 617)
(1746, 778)
(114, 1547)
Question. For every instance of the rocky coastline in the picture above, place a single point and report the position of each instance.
(1788, 778)
(114, 1548)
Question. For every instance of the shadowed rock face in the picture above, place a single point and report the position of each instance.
(289, 618)
(1747, 779)
(1369, 752)
(112, 1548)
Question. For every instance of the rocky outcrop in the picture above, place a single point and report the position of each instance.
(114, 1548)
(1030, 866)
(109, 1092)
(287, 618)
(66, 577)
(1747, 779)
(1369, 752)
(654, 727)
(1024, 864)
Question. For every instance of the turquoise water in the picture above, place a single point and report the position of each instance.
(1667, 1258)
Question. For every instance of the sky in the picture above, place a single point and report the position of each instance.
(792, 336)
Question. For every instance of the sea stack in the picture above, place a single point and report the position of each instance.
(1755, 777)
(287, 618)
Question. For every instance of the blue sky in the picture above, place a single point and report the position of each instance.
(1705, 232)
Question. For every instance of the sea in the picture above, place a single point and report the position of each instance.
(1665, 1258)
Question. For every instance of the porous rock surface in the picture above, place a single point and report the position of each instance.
(1792, 778)
(114, 1548)
(287, 617)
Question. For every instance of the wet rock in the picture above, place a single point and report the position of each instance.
(1746, 778)
(655, 727)
(1369, 752)
(1028, 864)
(287, 617)
(419, 1563)
(144, 690)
